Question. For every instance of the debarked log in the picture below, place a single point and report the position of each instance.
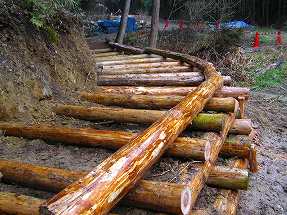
(15, 204)
(234, 92)
(121, 57)
(175, 69)
(142, 65)
(106, 54)
(183, 147)
(134, 61)
(100, 190)
(160, 79)
(205, 122)
(156, 102)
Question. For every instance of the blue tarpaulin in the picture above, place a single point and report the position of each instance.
(112, 26)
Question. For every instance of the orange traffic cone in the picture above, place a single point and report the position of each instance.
(278, 38)
(256, 40)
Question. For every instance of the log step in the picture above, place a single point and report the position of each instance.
(123, 57)
(133, 61)
(98, 51)
(205, 122)
(183, 147)
(159, 196)
(106, 54)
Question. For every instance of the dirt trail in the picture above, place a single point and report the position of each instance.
(268, 188)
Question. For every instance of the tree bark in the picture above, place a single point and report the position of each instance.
(194, 187)
(159, 79)
(159, 196)
(205, 122)
(124, 21)
(105, 186)
(156, 102)
(183, 147)
(174, 69)
(172, 91)
(154, 24)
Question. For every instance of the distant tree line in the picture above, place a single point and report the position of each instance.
(260, 12)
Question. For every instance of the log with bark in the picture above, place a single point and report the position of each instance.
(156, 102)
(100, 190)
(98, 51)
(172, 91)
(183, 147)
(159, 196)
(126, 49)
(159, 79)
(205, 122)
(194, 187)
(227, 201)
(174, 69)
(142, 65)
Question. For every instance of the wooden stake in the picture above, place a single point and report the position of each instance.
(105, 186)
(205, 122)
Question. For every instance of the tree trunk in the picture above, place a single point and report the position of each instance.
(183, 147)
(205, 122)
(193, 189)
(172, 91)
(160, 79)
(156, 102)
(154, 24)
(105, 186)
(124, 22)
(159, 196)
(174, 69)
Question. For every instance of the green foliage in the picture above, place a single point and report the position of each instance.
(271, 78)
(42, 12)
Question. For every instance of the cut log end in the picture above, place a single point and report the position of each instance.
(185, 201)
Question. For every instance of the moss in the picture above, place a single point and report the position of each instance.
(209, 121)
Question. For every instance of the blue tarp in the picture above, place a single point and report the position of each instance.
(237, 24)
(112, 26)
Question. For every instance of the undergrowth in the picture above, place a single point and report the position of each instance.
(271, 78)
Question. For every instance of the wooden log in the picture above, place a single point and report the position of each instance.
(106, 54)
(105, 186)
(156, 102)
(54, 180)
(15, 204)
(124, 57)
(142, 65)
(159, 79)
(175, 69)
(98, 51)
(11, 203)
(227, 201)
(126, 49)
(183, 147)
(134, 61)
(193, 188)
(205, 122)
(172, 91)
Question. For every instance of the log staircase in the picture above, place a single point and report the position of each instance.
(171, 95)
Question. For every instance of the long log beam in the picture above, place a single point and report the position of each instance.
(126, 49)
(156, 102)
(158, 196)
(100, 190)
(183, 147)
(159, 79)
(194, 187)
(205, 122)
(175, 69)
(172, 91)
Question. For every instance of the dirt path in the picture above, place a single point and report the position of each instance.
(268, 188)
